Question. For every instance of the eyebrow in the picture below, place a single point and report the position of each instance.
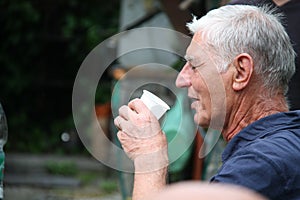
(191, 59)
(188, 58)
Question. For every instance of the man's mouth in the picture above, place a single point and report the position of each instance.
(192, 99)
(194, 102)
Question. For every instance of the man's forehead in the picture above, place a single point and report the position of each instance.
(197, 38)
(194, 50)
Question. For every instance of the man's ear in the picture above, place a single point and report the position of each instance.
(243, 64)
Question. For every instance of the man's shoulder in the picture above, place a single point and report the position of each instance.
(281, 135)
(277, 144)
(272, 125)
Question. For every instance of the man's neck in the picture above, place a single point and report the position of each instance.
(280, 2)
(251, 109)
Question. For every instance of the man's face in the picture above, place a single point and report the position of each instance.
(205, 85)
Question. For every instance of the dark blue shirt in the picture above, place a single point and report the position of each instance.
(265, 157)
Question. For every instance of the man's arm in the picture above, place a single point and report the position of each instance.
(144, 143)
(146, 183)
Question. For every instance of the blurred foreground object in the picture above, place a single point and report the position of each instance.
(194, 190)
(3, 138)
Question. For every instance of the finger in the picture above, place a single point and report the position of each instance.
(123, 125)
(138, 106)
(117, 123)
(126, 112)
(120, 122)
(121, 136)
(126, 143)
(124, 139)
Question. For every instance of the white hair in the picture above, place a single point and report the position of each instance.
(234, 29)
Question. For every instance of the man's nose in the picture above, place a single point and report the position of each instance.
(183, 78)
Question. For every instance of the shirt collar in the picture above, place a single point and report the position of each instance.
(261, 128)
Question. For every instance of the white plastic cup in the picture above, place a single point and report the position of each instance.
(157, 106)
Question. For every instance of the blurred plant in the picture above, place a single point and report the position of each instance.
(88, 177)
(42, 46)
(103, 92)
(62, 168)
(109, 186)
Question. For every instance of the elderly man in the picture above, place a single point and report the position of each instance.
(238, 67)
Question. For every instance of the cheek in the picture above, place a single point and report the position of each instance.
(200, 87)
(202, 118)
(202, 93)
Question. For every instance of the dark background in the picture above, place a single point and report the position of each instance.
(43, 43)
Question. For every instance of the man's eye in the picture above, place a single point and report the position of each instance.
(193, 67)
(196, 67)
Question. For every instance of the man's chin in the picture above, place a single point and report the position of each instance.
(200, 121)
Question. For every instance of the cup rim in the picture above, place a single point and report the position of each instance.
(157, 99)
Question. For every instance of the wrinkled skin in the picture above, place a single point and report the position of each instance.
(139, 130)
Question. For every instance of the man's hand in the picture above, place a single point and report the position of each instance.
(141, 136)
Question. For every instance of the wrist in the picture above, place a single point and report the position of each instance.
(152, 162)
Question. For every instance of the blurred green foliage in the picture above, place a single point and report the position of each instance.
(43, 44)
(62, 168)
(109, 186)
